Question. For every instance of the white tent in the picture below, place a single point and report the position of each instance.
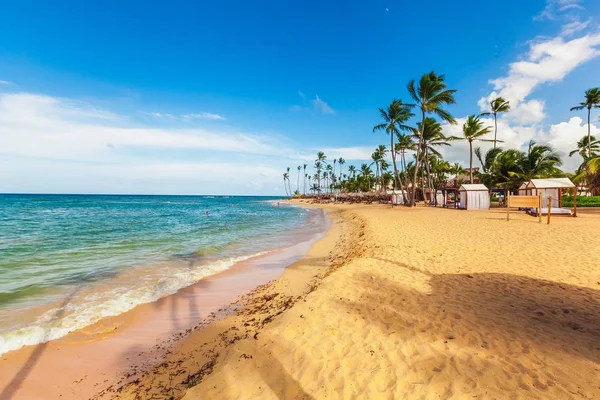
(548, 187)
(474, 197)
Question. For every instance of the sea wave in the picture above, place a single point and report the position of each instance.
(78, 311)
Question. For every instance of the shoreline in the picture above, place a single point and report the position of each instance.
(143, 335)
(432, 303)
(197, 355)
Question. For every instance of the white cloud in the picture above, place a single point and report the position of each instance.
(564, 136)
(5, 82)
(555, 7)
(547, 61)
(187, 117)
(574, 26)
(52, 144)
(320, 106)
(528, 112)
(203, 115)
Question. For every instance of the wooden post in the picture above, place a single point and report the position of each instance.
(540, 207)
(575, 202)
(549, 208)
(507, 204)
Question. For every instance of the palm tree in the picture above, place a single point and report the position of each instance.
(433, 136)
(352, 170)
(377, 158)
(285, 178)
(341, 162)
(403, 145)
(583, 148)
(473, 130)
(487, 162)
(592, 100)
(395, 118)
(288, 180)
(540, 161)
(430, 95)
(304, 180)
(498, 105)
(366, 173)
(308, 182)
(298, 182)
(330, 175)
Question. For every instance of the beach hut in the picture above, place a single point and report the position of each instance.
(550, 187)
(474, 196)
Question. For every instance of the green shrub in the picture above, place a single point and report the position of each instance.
(582, 201)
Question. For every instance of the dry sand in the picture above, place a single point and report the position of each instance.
(434, 303)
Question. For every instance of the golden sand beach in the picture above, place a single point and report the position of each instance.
(421, 303)
(434, 303)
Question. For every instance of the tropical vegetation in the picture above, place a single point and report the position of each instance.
(412, 162)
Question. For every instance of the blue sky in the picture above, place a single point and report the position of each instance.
(189, 98)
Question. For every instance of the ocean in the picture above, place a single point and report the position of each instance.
(66, 261)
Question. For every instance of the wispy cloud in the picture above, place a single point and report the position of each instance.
(574, 26)
(316, 105)
(321, 106)
(554, 8)
(187, 117)
(5, 82)
(58, 144)
(203, 115)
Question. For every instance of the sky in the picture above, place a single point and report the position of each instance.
(186, 97)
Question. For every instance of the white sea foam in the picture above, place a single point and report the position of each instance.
(96, 305)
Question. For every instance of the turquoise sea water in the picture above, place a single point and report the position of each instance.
(90, 256)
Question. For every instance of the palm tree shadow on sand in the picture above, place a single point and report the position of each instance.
(35, 356)
(498, 313)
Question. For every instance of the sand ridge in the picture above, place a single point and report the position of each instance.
(435, 303)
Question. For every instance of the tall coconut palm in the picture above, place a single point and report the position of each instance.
(341, 162)
(433, 136)
(583, 148)
(404, 144)
(473, 130)
(304, 180)
(285, 178)
(352, 171)
(487, 162)
(298, 181)
(309, 187)
(592, 100)
(540, 161)
(366, 173)
(378, 157)
(330, 175)
(395, 118)
(430, 95)
(498, 105)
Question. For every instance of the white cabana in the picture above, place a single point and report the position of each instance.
(549, 187)
(474, 197)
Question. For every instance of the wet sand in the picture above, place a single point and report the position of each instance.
(110, 353)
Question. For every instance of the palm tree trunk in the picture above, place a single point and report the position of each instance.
(414, 182)
(589, 141)
(285, 187)
(428, 169)
(403, 162)
(495, 129)
(471, 161)
(393, 150)
(298, 183)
